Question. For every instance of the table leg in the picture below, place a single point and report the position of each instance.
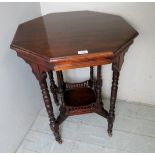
(49, 108)
(61, 76)
(113, 97)
(91, 76)
(53, 87)
(41, 76)
(61, 86)
(116, 67)
(100, 109)
(99, 84)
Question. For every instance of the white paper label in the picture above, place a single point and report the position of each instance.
(83, 52)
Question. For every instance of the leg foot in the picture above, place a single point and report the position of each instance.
(58, 138)
(109, 133)
(60, 141)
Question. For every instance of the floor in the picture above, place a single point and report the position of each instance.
(134, 131)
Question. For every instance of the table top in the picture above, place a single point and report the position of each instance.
(65, 35)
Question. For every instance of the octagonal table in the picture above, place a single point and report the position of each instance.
(61, 41)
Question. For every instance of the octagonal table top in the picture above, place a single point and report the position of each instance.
(68, 34)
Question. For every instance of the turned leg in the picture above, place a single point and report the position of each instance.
(113, 97)
(49, 108)
(99, 84)
(61, 76)
(61, 87)
(41, 76)
(116, 67)
(99, 103)
(53, 87)
(91, 76)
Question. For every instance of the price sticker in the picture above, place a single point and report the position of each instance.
(83, 52)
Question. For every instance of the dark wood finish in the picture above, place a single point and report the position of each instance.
(62, 116)
(60, 87)
(41, 76)
(91, 76)
(53, 87)
(116, 67)
(79, 97)
(53, 38)
(99, 84)
(99, 101)
(51, 43)
(114, 88)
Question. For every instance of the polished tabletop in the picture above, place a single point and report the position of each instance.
(58, 35)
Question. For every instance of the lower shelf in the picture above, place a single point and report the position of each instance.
(79, 97)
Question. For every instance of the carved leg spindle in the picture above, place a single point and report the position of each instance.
(116, 67)
(91, 76)
(53, 87)
(99, 90)
(101, 111)
(61, 86)
(113, 97)
(49, 108)
(61, 76)
(99, 84)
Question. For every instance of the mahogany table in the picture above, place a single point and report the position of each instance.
(61, 41)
